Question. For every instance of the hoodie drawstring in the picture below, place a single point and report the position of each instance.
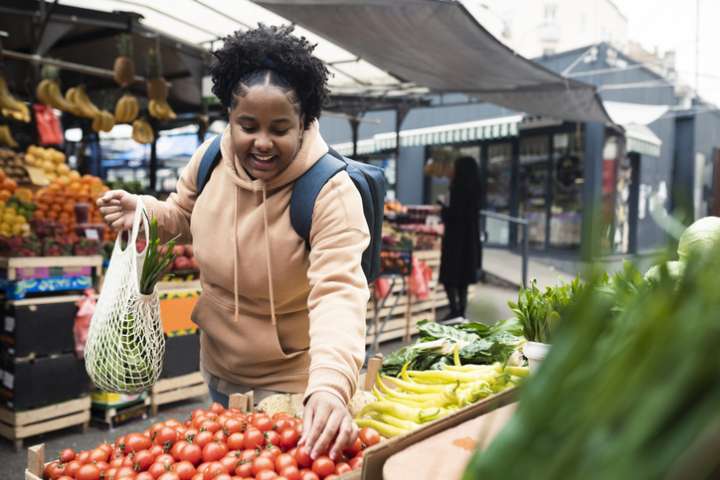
(235, 257)
(267, 257)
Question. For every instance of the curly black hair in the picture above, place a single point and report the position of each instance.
(274, 54)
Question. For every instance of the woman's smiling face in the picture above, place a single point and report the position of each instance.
(266, 130)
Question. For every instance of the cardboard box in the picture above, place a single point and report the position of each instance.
(39, 326)
(42, 381)
(446, 454)
(182, 355)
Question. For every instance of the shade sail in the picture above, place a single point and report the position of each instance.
(438, 44)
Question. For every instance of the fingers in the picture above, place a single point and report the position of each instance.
(308, 414)
(119, 224)
(112, 217)
(346, 436)
(328, 431)
(320, 418)
(112, 196)
(112, 209)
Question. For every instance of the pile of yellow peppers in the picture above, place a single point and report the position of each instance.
(417, 397)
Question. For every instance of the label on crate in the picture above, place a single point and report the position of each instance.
(9, 324)
(8, 380)
(91, 234)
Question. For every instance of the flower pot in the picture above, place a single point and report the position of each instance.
(535, 352)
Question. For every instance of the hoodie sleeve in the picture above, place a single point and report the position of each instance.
(173, 214)
(339, 291)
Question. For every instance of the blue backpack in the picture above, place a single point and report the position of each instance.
(368, 179)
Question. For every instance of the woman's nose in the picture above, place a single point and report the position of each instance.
(263, 143)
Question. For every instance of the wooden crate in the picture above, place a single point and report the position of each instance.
(179, 388)
(115, 416)
(16, 426)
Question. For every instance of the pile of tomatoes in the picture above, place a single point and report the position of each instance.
(214, 444)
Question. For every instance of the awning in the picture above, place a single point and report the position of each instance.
(438, 44)
(486, 129)
(634, 118)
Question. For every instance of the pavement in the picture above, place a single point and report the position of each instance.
(507, 266)
(488, 304)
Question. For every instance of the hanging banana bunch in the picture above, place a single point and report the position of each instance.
(142, 132)
(81, 102)
(157, 90)
(104, 122)
(48, 92)
(11, 106)
(126, 109)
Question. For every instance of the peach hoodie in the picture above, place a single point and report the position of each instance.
(274, 315)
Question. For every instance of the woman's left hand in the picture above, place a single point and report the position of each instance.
(326, 418)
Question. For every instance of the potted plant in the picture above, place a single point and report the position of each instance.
(538, 312)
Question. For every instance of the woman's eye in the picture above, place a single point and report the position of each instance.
(248, 129)
(281, 132)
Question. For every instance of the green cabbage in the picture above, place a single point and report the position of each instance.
(675, 270)
(699, 238)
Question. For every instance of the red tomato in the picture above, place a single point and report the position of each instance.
(244, 469)
(67, 455)
(165, 459)
(64, 477)
(272, 438)
(214, 451)
(210, 426)
(217, 408)
(230, 462)
(177, 448)
(272, 451)
(236, 441)
(125, 472)
(172, 423)
(220, 436)
(156, 450)
(117, 462)
(168, 476)
(191, 453)
(332, 476)
(144, 476)
(263, 423)
(135, 442)
(84, 457)
(223, 476)
(198, 476)
(289, 438)
(88, 472)
(342, 468)
(369, 436)
(262, 463)
(98, 455)
(266, 475)
(203, 438)
(110, 473)
(155, 428)
(356, 463)
(323, 466)
(142, 460)
(233, 425)
(128, 461)
(248, 455)
(202, 467)
(213, 470)
(308, 475)
(72, 467)
(184, 470)
(254, 439)
(166, 437)
(55, 470)
(157, 469)
(284, 460)
(291, 473)
(302, 456)
(354, 449)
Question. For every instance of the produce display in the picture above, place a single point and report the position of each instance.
(416, 397)
(471, 343)
(50, 161)
(214, 443)
(628, 389)
(11, 106)
(13, 166)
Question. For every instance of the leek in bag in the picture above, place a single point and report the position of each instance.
(126, 344)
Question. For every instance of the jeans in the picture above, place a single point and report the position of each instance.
(218, 397)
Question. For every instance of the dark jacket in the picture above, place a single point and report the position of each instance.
(461, 241)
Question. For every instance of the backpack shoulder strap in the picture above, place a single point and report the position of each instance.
(209, 160)
(306, 190)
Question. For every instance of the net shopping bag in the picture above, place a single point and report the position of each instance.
(126, 344)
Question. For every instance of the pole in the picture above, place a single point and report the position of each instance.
(697, 48)
(525, 255)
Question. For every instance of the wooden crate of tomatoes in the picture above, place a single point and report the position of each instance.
(214, 443)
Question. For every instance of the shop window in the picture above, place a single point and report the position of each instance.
(439, 167)
(498, 189)
(388, 163)
(533, 182)
(567, 184)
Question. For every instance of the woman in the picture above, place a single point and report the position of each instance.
(461, 240)
(274, 316)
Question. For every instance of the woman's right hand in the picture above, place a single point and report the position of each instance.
(118, 208)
